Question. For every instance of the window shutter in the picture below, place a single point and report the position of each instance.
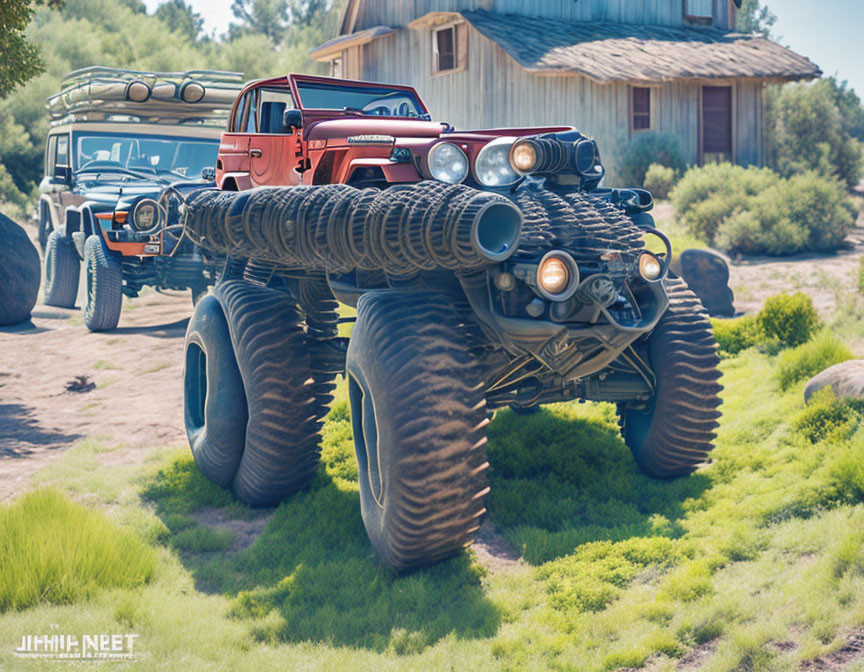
(461, 46)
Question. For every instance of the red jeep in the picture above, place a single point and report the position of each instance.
(488, 269)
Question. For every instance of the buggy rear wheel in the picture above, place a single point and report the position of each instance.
(675, 432)
(419, 415)
(62, 271)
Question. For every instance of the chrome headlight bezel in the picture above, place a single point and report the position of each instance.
(146, 216)
(573, 279)
(498, 150)
(459, 172)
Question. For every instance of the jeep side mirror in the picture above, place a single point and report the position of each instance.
(62, 175)
(292, 120)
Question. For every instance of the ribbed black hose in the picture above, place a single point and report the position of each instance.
(338, 228)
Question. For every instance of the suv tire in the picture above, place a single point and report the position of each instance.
(62, 271)
(275, 403)
(104, 270)
(676, 432)
(419, 416)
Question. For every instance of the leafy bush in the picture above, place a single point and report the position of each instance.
(736, 335)
(57, 551)
(645, 150)
(861, 275)
(755, 211)
(827, 417)
(660, 180)
(808, 359)
(789, 319)
(812, 133)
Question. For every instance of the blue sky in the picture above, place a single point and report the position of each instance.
(827, 31)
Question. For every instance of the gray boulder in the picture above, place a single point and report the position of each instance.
(847, 379)
(707, 274)
(20, 273)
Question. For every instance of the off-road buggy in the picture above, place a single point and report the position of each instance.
(488, 269)
(119, 139)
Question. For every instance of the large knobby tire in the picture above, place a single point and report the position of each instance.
(214, 400)
(104, 270)
(62, 271)
(675, 433)
(45, 225)
(277, 451)
(419, 415)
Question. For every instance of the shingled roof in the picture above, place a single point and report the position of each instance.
(615, 52)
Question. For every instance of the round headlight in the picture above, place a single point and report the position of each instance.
(145, 216)
(650, 267)
(492, 166)
(557, 276)
(448, 163)
(523, 156)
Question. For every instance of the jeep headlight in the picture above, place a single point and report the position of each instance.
(448, 163)
(492, 166)
(523, 156)
(650, 267)
(146, 215)
(558, 276)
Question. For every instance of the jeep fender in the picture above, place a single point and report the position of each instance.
(235, 182)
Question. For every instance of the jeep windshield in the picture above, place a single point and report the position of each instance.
(164, 156)
(377, 101)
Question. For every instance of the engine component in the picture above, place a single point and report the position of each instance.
(339, 228)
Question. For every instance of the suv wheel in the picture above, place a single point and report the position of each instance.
(252, 408)
(62, 271)
(419, 415)
(104, 270)
(675, 433)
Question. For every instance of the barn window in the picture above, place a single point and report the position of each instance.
(449, 48)
(699, 11)
(716, 124)
(641, 104)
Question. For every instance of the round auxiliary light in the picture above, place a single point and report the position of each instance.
(192, 92)
(146, 215)
(138, 91)
(492, 165)
(650, 267)
(523, 156)
(557, 276)
(448, 163)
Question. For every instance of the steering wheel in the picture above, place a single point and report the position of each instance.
(404, 110)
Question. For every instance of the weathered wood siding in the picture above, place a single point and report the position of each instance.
(494, 91)
(654, 12)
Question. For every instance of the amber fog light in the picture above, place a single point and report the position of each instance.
(523, 156)
(557, 276)
(650, 267)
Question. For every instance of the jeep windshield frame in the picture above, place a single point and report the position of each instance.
(365, 99)
(197, 152)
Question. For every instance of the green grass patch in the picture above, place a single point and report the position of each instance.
(805, 361)
(55, 550)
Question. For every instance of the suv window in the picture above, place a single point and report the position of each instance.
(62, 150)
(272, 104)
(51, 155)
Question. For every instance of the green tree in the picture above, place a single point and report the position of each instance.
(849, 105)
(19, 59)
(753, 17)
(308, 12)
(266, 17)
(180, 17)
(810, 133)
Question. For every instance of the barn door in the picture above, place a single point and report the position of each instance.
(717, 124)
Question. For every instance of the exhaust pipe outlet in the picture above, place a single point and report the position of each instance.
(402, 230)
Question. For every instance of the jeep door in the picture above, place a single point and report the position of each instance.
(275, 152)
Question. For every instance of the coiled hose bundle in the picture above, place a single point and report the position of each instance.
(401, 230)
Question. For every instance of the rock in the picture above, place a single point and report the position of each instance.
(20, 273)
(846, 378)
(707, 274)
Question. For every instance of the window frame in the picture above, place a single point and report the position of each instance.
(51, 155)
(460, 47)
(650, 127)
(697, 20)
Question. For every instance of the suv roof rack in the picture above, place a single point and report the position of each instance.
(99, 93)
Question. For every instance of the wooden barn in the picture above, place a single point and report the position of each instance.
(612, 68)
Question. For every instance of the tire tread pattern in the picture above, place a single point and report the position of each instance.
(62, 271)
(105, 297)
